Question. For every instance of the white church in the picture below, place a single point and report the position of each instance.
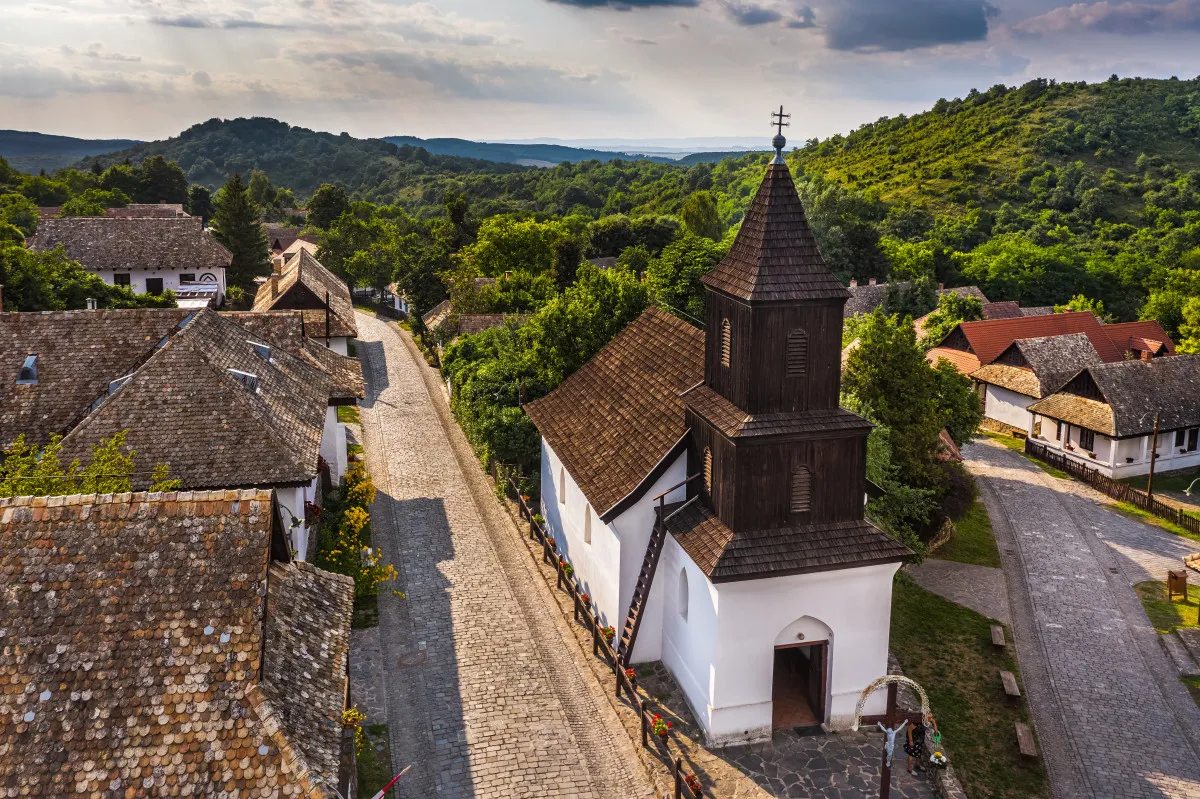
(708, 491)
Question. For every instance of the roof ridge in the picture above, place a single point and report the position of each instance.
(131, 497)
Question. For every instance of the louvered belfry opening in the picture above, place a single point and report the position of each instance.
(801, 490)
(708, 470)
(797, 353)
(726, 342)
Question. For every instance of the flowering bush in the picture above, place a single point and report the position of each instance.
(609, 633)
(938, 759)
(567, 568)
(693, 784)
(344, 536)
(353, 718)
(585, 598)
(660, 726)
(631, 675)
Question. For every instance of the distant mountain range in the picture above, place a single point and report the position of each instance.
(31, 152)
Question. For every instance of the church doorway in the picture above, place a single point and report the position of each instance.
(798, 688)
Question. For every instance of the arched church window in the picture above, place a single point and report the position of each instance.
(726, 342)
(801, 489)
(562, 485)
(708, 471)
(683, 594)
(587, 524)
(797, 353)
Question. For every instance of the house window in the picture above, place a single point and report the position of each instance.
(1193, 435)
(797, 353)
(1087, 440)
(708, 471)
(1037, 429)
(1058, 431)
(1180, 437)
(121, 279)
(154, 285)
(562, 486)
(187, 278)
(587, 524)
(801, 489)
(683, 594)
(726, 342)
(28, 373)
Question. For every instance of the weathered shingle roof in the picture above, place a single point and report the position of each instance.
(866, 298)
(79, 354)
(964, 361)
(775, 255)
(733, 422)
(988, 338)
(99, 242)
(1002, 310)
(436, 315)
(1038, 367)
(615, 419)
(1134, 391)
(147, 211)
(303, 286)
(286, 329)
(280, 237)
(184, 407)
(726, 557)
(133, 642)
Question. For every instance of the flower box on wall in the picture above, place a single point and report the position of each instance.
(1092, 455)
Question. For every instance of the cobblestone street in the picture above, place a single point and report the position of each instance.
(483, 696)
(1112, 718)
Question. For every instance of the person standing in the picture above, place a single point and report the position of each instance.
(915, 746)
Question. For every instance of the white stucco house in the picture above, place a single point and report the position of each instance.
(304, 284)
(150, 255)
(1104, 415)
(727, 457)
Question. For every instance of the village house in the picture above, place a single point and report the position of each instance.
(303, 284)
(165, 645)
(1017, 361)
(225, 405)
(149, 255)
(866, 297)
(1105, 415)
(709, 491)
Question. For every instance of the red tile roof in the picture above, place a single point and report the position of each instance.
(964, 361)
(1140, 336)
(991, 337)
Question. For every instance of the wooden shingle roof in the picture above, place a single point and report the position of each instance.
(1037, 367)
(988, 338)
(727, 557)
(775, 256)
(733, 422)
(134, 646)
(616, 418)
(286, 329)
(305, 283)
(97, 242)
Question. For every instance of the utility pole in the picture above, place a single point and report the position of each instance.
(1153, 457)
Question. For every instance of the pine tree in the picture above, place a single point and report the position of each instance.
(235, 224)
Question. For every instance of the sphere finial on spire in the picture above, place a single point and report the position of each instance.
(779, 120)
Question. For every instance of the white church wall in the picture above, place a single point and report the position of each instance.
(688, 639)
(1009, 407)
(855, 604)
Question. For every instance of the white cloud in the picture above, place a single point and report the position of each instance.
(1128, 19)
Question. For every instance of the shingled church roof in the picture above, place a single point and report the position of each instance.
(775, 256)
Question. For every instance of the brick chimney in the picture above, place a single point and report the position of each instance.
(872, 281)
(1147, 355)
(853, 283)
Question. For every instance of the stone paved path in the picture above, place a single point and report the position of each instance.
(1112, 719)
(483, 696)
(980, 588)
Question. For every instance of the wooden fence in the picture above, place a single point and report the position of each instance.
(1122, 492)
(686, 785)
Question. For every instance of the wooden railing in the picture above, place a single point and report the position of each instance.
(602, 645)
(1123, 492)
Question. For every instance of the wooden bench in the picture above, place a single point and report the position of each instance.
(1010, 684)
(1025, 740)
(998, 635)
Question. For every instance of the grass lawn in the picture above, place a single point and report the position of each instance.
(354, 449)
(1133, 512)
(375, 761)
(973, 541)
(1166, 482)
(1166, 614)
(366, 612)
(349, 414)
(948, 650)
(1018, 445)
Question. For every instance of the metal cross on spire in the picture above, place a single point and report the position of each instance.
(779, 119)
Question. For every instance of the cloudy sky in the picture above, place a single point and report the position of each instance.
(510, 69)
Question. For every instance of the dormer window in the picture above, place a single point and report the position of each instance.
(797, 353)
(726, 342)
(120, 381)
(262, 350)
(28, 374)
(248, 381)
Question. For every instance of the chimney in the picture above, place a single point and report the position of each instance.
(872, 281)
(278, 263)
(1147, 355)
(853, 283)
(275, 285)
(91, 303)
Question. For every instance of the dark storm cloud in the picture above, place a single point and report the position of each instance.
(626, 5)
(1128, 19)
(751, 14)
(904, 24)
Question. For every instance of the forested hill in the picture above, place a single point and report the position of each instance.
(523, 154)
(31, 152)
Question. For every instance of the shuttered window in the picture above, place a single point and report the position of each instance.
(708, 470)
(726, 342)
(797, 353)
(801, 490)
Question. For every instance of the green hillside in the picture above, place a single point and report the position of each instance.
(30, 152)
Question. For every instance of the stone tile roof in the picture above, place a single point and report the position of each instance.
(775, 255)
(303, 286)
(733, 422)
(180, 245)
(1038, 310)
(133, 655)
(866, 298)
(615, 419)
(727, 557)
(1132, 392)
(184, 407)
(1002, 310)
(286, 329)
(1143, 336)
(79, 354)
(147, 211)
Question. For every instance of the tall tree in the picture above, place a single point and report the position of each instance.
(700, 216)
(200, 202)
(326, 205)
(235, 224)
(161, 181)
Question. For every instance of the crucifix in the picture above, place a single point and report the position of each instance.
(778, 119)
